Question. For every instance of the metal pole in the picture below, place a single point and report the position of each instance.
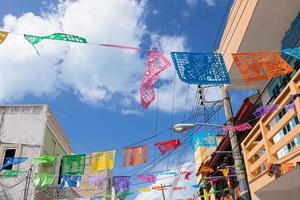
(162, 190)
(27, 184)
(236, 152)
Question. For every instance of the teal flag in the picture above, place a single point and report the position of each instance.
(45, 159)
(66, 37)
(73, 164)
(32, 39)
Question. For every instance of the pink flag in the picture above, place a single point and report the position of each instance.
(156, 63)
(240, 127)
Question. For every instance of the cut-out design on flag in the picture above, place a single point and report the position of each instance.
(240, 127)
(124, 194)
(225, 171)
(198, 186)
(259, 66)
(149, 178)
(203, 140)
(156, 63)
(135, 155)
(160, 188)
(66, 37)
(43, 179)
(206, 170)
(3, 36)
(12, 173)
(102, 160)
(291, 106)
(70, 181)
(167, 146)
(264, 110)
(292, 52)
(144, 189)
(45, 159)
(73, 164)
(96, 198)
(121, 183)
(12, 161)
(201, 68)
(176, 188)
(286, 167)
(98, 181)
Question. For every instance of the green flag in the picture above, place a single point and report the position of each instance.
(215, 191)
(11, 173)
(124, 194)
(45, 159)
(43, 179)
(32, 39)
(66, 37)
(73, 164)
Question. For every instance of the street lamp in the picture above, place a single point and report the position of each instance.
(179, 128)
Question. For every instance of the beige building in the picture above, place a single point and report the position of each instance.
(258, 25)
(32, 131)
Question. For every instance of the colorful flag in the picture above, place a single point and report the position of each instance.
(3, 36)
(240, 127)
(70, 181)
(45, 159)
(12, 161)
(135, 155)
(203, 140)
(264, 65)
(121, 183)
(206, 170)
(66, 37)
(187, 175)
(292, 52)
(124, 194)
(144, 189)
(198, 186)
(264, 110)
(201, 68)
(43, 179)
(168, 146)
(290, 106)
(99, 181)
(178, 188)
(12, 173)
(96, 198)
(102, 160)
(149, 178)
(156, 63)
(225, 171)
(73, 164)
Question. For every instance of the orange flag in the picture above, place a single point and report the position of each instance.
(135, 155)
(3, 36)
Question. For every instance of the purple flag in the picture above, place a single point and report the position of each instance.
(149, 178)
(97, 180)
(290, 106)
(121, 183)
(264, 110)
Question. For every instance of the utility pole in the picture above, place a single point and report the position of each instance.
(163, 191)
(27, 184)
(236, 152)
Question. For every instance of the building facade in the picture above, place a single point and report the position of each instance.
(32, 131)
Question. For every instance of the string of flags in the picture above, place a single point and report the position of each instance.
(192, 68)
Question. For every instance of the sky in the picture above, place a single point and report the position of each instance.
(94, 91)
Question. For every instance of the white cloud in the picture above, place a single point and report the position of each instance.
(210, 2)
(191, 3)
(130, 112)
(97, 75)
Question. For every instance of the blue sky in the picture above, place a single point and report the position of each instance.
(89, 89)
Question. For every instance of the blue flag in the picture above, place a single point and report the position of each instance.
(293, 52)
(96, 198)
(203, 140)
(12, 161)
(201, 68)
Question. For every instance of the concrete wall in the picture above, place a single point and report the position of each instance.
(22, 127)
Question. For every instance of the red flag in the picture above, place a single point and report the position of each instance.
(167, 146)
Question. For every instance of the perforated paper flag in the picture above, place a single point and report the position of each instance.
(167, 146)
(70, 181)
(12, 173)
(258, 66)
(239, 127)
(102, 160)
(99, 181)
(66, 37)
(12, 161)
(121, 183)
(293, 52)
(96, 198)
(3, 36)
(144, 189)
(43, 179)
(225, 171)
(156, 63)
(203, 140)
(73, 164)
(201, 68)
(149, 178)
(45, 159)
(264, 110)
(135, 155)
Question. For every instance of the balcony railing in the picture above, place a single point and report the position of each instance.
(276, 136)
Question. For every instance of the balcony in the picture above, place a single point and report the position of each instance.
(275, 138)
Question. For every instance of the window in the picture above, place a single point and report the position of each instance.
(9, 153)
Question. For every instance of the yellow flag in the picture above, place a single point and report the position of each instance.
(145, 189)
(102, 160)
(224, 171)
(3, 36)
